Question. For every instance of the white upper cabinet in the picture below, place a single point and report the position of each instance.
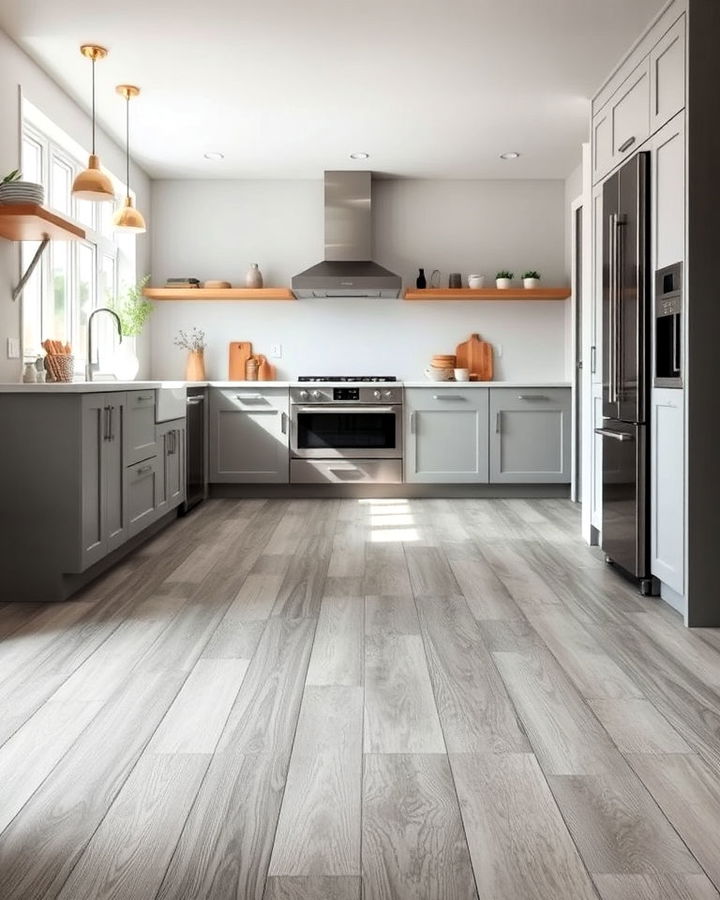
(668, 194)
(667, 76)
(641, 102)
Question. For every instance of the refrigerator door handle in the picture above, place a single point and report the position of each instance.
(612, 337)
(615, 435)
(619, 325)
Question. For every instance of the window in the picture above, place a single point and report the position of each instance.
(74, 277)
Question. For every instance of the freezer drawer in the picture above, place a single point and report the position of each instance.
(625, 513)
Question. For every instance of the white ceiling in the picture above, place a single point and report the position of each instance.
(288, 88)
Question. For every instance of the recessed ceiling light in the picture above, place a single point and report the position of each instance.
(511, 155)
(215, 155)
(359, 156)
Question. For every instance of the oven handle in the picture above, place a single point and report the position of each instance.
(347, 409)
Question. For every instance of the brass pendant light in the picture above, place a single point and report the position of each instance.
(92, 183)
(127, 218)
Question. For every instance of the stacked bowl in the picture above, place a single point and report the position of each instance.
(22, 192)
(441, 367)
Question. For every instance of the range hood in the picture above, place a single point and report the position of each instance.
(347, 270)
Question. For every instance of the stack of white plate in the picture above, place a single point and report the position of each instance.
(22, 192)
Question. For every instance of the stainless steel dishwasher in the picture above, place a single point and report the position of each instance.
(196, 478)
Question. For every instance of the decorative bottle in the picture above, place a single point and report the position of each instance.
(421, 281)
(253, 278)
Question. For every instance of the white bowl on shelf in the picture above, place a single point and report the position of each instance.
(439, 374)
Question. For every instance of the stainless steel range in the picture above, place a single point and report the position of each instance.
(346, 429)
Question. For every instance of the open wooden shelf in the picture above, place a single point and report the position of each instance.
(487, 294)
(29, 222)
(219, 293)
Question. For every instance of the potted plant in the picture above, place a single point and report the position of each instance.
(531, 280)
(503, 279)
(133, 311)
(194, 343)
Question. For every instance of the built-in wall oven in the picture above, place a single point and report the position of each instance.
(346, 433)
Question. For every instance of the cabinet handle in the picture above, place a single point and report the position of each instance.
(593, 359)
(106, 423)
(626, 145)
(141, 398)
(532, 397)
(283, 423)
(615, 435)
(448, 397)
(498, 420)
(143, 469)
(111, 435)
(243, 397)
(171, 443)
(412, 423)
(193, 401)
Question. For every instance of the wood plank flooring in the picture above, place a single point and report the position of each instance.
(347, 699)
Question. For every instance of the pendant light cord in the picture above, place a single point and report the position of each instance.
(127, 144)
(93, 106)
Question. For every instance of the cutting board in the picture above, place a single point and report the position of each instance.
(240, 353)
(477, 356)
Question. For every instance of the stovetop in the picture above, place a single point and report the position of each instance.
(347, 378)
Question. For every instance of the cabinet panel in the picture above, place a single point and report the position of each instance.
(115, 515)
(249, 436)
(446, 435)
(142, 493)
(140, 440)
(668, 195)
(529, 435)
(667, 76)
(597, 286)
(597, 459)
(602, 142)
(171, 484)
(630, 110)
(667, 488)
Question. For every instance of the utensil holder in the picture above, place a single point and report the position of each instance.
(60, 367)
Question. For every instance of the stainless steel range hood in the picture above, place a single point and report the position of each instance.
(347, 270)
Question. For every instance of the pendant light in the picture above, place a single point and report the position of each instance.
(92, 183)
(127, 218)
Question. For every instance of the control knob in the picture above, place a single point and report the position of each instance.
(387, 395)
(377, 395)
(316, 395)
(304, 395)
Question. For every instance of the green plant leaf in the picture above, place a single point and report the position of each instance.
(132, 308)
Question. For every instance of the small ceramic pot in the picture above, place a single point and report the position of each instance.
(476, 281)
(530, 283)
(503, 283)
(253, 277)
(195, 366)
(462, 374)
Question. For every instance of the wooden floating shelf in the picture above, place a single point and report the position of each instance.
(487, 294)
(219, 294)
(29, 222)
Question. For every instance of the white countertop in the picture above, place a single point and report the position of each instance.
(88, 387)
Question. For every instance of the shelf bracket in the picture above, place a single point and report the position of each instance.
(31, 268)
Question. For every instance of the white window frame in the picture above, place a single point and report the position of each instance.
(36, 302)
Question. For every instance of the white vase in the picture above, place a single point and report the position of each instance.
(476, 281)
(503, 283)
(530, 283)
(253, 278)
(125, 364)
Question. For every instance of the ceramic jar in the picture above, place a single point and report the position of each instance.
(253, 277)
(195, 366)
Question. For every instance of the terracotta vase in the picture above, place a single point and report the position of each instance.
(195, 367)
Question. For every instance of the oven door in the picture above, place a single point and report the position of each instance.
(346, 432)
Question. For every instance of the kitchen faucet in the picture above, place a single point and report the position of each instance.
(90, 366)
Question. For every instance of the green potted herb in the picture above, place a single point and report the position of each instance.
(15, 175)
(531, 280)
(133, 310)
(503, 279)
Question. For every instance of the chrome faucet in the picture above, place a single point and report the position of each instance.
(90, 366)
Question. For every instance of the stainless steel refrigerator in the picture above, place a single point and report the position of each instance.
(626, 370)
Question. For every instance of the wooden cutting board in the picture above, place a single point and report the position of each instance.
(240, 353)
(477, 356)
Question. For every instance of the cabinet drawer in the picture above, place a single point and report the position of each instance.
(140, 433)
(341, 471)
(143, 489)
(249, 400)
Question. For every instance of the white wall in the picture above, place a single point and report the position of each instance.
(17, 70)
(215, 229)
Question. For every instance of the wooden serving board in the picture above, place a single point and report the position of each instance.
(477, 356)
(240, 353)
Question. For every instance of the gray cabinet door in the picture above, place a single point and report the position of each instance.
(94, 418)
(140, 436)
(114, 473)
(142, 492)
(530, 435)
(446, 435)
(171, 484)
(249, 435)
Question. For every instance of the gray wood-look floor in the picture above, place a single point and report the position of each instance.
(335, 699)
